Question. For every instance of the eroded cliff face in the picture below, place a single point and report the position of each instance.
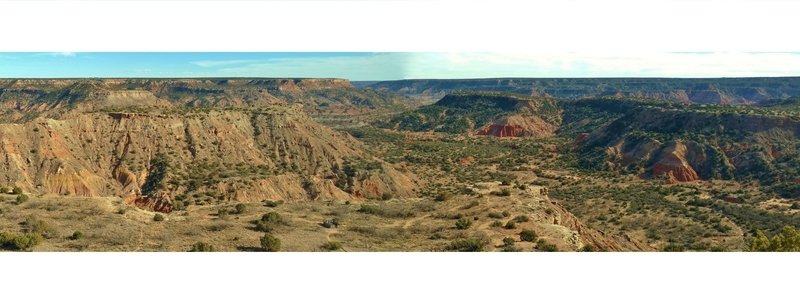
(519, 126)
(597, 239)
(275, 152)
(672, 163)
(681, 146)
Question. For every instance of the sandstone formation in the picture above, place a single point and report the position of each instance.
(275, 152)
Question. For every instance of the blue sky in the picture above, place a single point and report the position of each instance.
(397, 65)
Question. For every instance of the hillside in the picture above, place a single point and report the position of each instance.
(688, 143)
(483, 113)
(194, 157)
(684, 90)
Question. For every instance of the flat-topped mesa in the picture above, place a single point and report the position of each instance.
(504, 101)
(683, 90)
(21, 99)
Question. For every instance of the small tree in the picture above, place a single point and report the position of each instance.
(528, 235)
(270, 243)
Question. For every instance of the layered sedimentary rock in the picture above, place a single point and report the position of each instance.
(275, 152)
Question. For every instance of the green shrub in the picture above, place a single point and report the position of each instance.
(386, 196)
(496, 223)
(270, 243)
(672, 247)
(272, 217)
(21, 198)
(528, 235)
(508, 241)
(331, 246)
(202, 247)
(506, 213)
(543, 245)
(17, 190)
(77, 235)
(240, 208)
(467, 245)
(463, 223)
(24, 241)
(158, 217)
(510, 225)
(5, 190)
(587, 248)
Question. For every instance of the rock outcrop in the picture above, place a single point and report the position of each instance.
(152, 203)
(274, 152)
(519, 126)
(672, 164)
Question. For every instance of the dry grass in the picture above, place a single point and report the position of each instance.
(393, 225)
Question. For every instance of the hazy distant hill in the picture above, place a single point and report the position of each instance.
(694, 90)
